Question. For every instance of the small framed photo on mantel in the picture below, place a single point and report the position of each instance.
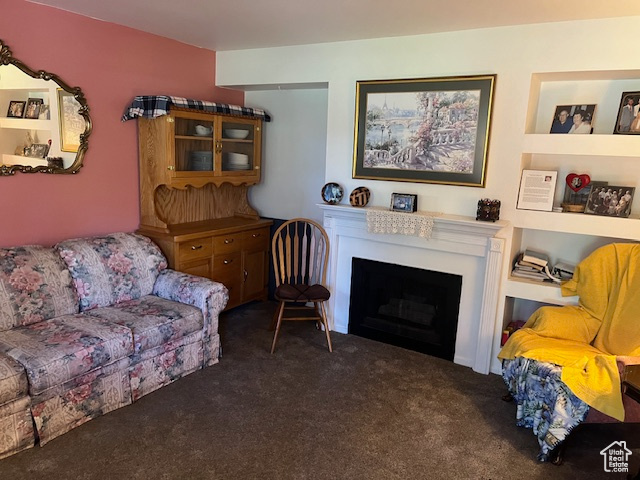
(537, 189)
(404, 202)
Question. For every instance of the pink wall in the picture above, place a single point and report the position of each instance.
(111, 64)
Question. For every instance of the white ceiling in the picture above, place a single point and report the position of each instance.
(241, 24)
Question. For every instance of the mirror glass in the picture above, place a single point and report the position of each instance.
(44, 123)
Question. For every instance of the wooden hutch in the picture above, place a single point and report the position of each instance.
(195, 171)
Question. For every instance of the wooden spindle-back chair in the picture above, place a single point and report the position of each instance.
(300, 252)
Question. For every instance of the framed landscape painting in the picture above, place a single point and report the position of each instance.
(433, 130)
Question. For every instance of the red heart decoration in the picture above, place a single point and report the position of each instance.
(578, 182)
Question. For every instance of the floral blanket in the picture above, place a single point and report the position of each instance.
(545, 403)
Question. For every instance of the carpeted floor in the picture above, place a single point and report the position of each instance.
(367, 411)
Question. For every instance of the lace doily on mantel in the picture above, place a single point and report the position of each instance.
(418, 224)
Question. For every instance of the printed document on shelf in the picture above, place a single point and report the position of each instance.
(537, 188)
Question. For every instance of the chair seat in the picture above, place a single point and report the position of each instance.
(302, 293)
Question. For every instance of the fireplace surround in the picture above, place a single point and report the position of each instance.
(459, 245)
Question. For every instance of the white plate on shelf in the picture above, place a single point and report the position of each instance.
(237, 159)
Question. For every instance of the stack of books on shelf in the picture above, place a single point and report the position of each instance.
(534, 266)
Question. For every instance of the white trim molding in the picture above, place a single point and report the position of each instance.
(458, 245)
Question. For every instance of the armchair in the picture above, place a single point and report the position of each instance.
(564, 367)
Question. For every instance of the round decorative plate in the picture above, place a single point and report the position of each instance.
(332, 193)
(359, 197)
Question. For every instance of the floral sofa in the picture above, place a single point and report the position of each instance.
(92, 325)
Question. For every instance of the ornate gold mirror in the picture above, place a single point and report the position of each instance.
(44, 123)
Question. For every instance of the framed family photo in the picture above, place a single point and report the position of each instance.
(44, 112)
(628, 120)
(573, 119)
(16, 108)
(432, 130)
(33, 108)
(611, 201)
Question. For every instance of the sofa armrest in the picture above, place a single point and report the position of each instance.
(209, 296)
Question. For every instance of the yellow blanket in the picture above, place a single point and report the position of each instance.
(586, 339)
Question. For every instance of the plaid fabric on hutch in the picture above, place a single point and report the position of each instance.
(151, 106)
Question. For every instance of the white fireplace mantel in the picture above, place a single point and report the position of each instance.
(458, 245)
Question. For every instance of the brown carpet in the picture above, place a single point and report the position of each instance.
(366, 411)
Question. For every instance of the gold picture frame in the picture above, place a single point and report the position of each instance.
(429, 130)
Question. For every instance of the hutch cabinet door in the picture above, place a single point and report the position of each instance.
(239, 148)
(255, 257)
(193, 147)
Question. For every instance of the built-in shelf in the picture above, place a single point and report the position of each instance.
(594, 145)
(575, 77)
(25, 123)
(580, 223)
(544, 292)
(603, 155)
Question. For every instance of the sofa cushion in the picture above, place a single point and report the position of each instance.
(16, 427)
(80, 380)
(35, 285)
(153, 320)
(13, 380)
(57, 350)
(112, 269)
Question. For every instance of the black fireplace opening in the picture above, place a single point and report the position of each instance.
(405, 306)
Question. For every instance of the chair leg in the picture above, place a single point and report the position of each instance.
(319, 314)
(274, 320)
(278, 323)
(326, 326)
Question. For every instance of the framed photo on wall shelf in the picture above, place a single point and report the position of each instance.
(33, 108)
(575, 201)
(573, 119)
(16, 108)
(628, 119)
(610, 201)
(429, 130)
(44, 112)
